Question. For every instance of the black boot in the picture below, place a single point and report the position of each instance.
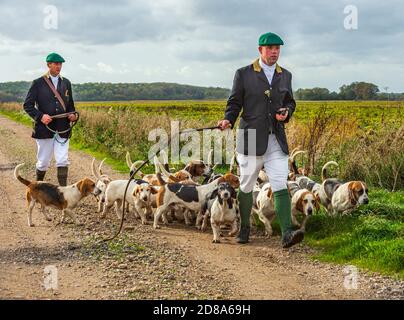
(40, 175)
(291, 238)
(244, 234)
(62, 176)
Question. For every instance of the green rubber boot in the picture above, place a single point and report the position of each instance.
(283, 212)
(245, 203)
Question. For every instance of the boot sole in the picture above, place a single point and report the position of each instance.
(242, 242)
(298, 237)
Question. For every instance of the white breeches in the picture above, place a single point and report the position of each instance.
(274, 162)
(49, 147)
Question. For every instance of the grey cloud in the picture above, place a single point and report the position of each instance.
(101, 22)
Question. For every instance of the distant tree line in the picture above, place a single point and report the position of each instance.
(353, 91)
(16, 91)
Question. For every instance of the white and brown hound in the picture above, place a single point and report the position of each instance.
(102, 181)
(50, 195)
(115, 192)
(142, 200)
(306, 203)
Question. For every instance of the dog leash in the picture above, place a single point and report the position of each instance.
(141, 166)
(71, 125)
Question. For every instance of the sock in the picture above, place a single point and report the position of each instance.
(283, 209)
(245, 203)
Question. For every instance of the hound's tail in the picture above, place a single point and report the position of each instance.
(160, 179)
(135, 166)
(18, 177)
(128, 160)
(167, 174)
(324, 169)
(292, 159)
(164, 156)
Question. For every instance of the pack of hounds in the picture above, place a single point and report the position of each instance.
(166, 196)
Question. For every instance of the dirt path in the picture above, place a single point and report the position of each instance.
(173, 262)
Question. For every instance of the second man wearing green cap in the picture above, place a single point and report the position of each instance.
(48, 96)
(262, 91)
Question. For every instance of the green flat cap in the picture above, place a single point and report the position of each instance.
(54, 57)
(269, 39)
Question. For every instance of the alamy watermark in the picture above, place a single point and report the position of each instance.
(351, 19)
(51, 19)
(189, 144)
(50, 277)
(351, 277)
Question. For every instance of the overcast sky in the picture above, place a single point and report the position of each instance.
(203, 42)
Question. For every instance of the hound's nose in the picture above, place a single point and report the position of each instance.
(226, 195)
(366, 201)
(310, 211)
(144, 198)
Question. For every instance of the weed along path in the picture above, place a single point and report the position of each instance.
(68, 261)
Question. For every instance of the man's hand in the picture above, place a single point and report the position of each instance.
(46, 119)
(281, 117)
(224, 124)
(72, 117)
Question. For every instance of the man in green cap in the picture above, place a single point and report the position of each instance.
(48, 96)
(263, 92)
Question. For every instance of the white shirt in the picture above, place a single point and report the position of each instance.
(268, 70)
(55, 80)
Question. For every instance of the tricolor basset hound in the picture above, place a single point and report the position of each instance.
(190, 197)
(222, 208)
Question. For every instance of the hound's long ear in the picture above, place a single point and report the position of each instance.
(136, 190)
(82, 185)
(233, 193)
(351, 193)
(317, 203)
(299, 204)
(214, 194)
(191, 168)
